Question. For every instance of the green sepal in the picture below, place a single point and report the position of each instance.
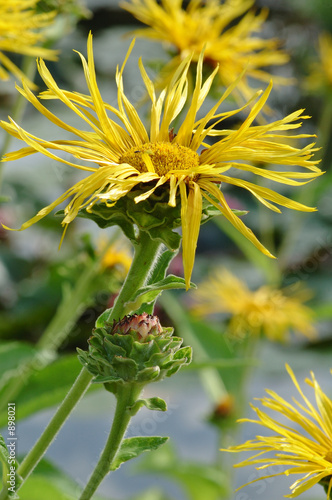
(106, 217)
(184, 353)
(102, 319)
(152, 215)
(149, 374)
(133, 447)
(115, 358)
(125, 367)
(149, 293)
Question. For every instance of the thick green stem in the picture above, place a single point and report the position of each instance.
(146, 255)
(126, 397)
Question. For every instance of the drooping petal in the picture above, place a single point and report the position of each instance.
(191, 213)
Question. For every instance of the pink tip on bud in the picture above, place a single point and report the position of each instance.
(144, 324)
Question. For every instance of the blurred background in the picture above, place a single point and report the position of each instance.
(37, 281)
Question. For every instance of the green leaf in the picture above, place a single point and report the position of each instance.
(46, 388)
(161, 266)
(157, 275)
(157, 404)
(147, 307)
(149, 293)
(102, 319)
(171, 282)
(133, 447)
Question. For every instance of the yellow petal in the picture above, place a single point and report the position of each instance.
(191, 213)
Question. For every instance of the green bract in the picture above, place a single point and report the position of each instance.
(153, 215)
(142, 354)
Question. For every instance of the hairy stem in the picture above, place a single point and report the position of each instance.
(127, 396)
(146, 255)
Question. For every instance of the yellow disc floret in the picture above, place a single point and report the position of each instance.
(163, 157)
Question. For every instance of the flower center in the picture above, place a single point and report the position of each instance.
(164, 157)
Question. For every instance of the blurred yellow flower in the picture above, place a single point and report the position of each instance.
(230, 43)
(127, 155)
(321, 71)
(21, 29)
(306, 446)
(266, 311)
(117, 255)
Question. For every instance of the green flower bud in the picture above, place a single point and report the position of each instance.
(135, 349)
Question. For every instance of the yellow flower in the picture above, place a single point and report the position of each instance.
(228, 42)
(267, 311)
(124, 156)
(321, 72)
(21, 29)
(306, 449)
(117, 255)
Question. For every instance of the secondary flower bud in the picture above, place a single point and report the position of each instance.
(135, 349)
(143, 324)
